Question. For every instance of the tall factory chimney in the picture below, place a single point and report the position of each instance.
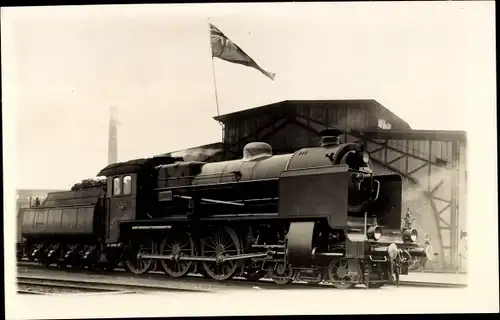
(113, 136)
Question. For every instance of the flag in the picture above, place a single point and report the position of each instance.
(225, 49)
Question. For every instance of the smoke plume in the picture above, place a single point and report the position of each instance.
(196, 154)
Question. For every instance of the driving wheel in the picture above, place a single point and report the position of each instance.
(139, 265)
(222, 242)
(177, 246)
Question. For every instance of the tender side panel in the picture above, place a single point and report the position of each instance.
(20, 216)
(315, 192)
(28, 221)
(54, 220)
(58, 222)
(68, 213)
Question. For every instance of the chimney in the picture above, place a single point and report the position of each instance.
(113, 136)
(330, 137)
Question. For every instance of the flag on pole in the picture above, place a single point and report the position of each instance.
(225, 49)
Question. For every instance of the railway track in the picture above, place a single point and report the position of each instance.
(192, 280)
(431, 284)
(50, 285)
(198, 280)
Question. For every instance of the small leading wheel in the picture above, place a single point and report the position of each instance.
(376, 285)
(253, 271)
(254, 275)
(281, 275)
(139, 266)
(338, 274)
(222, 242)
(318, 280)
(177, 245)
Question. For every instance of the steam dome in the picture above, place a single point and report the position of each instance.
(254, 150)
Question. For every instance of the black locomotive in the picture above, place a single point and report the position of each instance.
(319, 214)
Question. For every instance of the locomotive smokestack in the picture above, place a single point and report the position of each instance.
(330, 137)
(113, 136)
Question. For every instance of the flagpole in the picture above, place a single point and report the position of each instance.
(213, 67)
(215, 86)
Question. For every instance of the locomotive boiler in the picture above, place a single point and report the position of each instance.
(318, 214)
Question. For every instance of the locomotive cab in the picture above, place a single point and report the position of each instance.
(129, 195)
(120, 203)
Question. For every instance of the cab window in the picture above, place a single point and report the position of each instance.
(127, 185)
(116, 186)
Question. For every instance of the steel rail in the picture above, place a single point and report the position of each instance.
(93, 285)
(236, 281)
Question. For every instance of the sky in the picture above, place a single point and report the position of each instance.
(432, 64)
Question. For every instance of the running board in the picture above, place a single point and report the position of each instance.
(199, 258)
(228, 258)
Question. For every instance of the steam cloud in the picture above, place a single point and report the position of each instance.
(414, 194)
(197, 154)
(420, 205)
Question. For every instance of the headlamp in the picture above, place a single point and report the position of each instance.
(410, 235)
(374, 233)
(365, 157)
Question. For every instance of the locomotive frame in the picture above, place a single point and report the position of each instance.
(319, 214)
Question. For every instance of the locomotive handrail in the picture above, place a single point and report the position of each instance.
(378, 190)
(211, 200)
(221, 174)
(320, 167)
(376, 260)
(197, 186)
(257, 199)
(61, 206)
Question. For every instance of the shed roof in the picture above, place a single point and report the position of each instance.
(433, 135)
(363, 103)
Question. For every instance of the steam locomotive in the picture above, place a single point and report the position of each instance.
(318, 214)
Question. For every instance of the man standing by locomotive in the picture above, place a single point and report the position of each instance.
(427, 242)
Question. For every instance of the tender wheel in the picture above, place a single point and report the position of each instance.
(51, 255)
(338, 274)
(91, 258)
(222, 242)
(177, 245)
(139, 266)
